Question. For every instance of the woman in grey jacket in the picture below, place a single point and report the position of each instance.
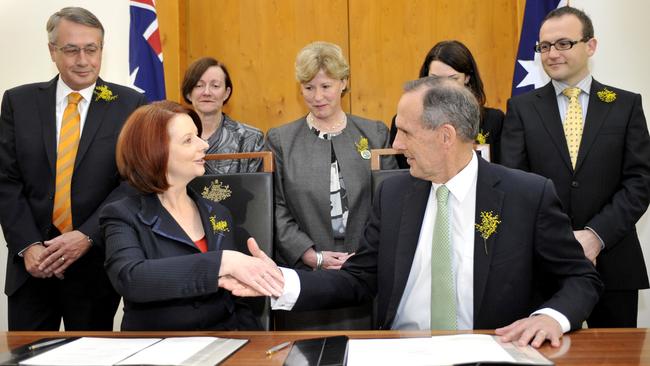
(322, 179)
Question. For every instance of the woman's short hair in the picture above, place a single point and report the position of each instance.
(457, 56)
(196, 70)
(142, 150)
(324, 56)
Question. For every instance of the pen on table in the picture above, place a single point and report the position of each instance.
(277, 348)
(45, 344)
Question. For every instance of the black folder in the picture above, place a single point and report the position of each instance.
(329, 351)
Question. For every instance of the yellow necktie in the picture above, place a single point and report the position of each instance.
(573, 123)
(66, 153)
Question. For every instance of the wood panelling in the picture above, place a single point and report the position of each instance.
(384, 40)
(258, 41)
(389, 40)
(169, 22)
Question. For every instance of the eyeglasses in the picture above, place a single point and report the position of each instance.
(74, 51)
(560, 45)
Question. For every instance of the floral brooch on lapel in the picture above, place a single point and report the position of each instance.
(488, 226)
(481, 138)
(216, 192)
(362, 148)
(219, 227)
(606, 95)
(103, 92)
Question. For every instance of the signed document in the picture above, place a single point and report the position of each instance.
(440, 350)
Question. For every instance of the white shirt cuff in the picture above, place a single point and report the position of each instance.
(290, 292)
(559, 317)
(22, 252)
(602, 243)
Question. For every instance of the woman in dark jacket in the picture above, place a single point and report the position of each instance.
(167, 246)
(453, 60)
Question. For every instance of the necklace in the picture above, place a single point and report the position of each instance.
(338, 126)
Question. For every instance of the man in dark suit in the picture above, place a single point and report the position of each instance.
(57, 167)
(600, 167)
(428, 263)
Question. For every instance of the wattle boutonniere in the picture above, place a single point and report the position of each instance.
(606, 95)
(488, 226)
(103, 92)
(219, 227)
(481, 138)
(362, 148)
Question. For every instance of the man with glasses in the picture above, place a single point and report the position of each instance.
(592, 141)
(57, 167)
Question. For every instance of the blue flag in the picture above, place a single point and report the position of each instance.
(145, 51)
(529, 73)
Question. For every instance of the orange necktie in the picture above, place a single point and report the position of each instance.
(66, 153)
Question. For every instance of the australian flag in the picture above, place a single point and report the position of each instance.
(529, 73)
(145, 50)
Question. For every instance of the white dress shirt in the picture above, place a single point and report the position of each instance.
(414, 311)
(62, 92)
(583, 97)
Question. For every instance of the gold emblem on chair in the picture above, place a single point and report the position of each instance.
(217, 191)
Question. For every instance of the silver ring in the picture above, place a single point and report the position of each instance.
(62, 259)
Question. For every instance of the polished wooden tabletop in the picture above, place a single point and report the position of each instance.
(583, 347)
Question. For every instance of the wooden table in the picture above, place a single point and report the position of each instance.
(583, 347)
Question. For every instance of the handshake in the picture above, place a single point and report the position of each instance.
(248, 276)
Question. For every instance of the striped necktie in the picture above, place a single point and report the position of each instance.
(443, 289)
(573, 123)
(66, 153)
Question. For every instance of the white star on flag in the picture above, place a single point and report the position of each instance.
(536, 75)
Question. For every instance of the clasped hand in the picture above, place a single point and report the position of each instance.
(54, 256)
(250, 276)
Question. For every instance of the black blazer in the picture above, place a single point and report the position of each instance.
(534, 242)
(28, 168)
(165, 280)
(609, 189)
(491, 123)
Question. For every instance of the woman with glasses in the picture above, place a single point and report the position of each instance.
(453, 60)
(208, 87)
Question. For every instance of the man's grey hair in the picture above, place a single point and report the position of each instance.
(445, 101)
(75, 15)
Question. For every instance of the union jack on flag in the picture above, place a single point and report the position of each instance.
(145, 50)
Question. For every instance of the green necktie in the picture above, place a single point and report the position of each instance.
(443, 290)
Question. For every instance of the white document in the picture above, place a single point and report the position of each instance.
(170, 351)
(185, 351)
(91, 352)
(439, 350)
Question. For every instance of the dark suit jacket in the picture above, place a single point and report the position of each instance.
(165, 280)
(302, 185)
(28, 168)
(610, 187)
(534, 242)
(491, 123)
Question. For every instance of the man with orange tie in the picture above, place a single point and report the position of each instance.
(57, 167)
(592, 141)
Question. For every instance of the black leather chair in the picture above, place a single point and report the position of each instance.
(249, 197)
(379, 175)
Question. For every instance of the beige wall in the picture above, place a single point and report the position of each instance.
(385, 40)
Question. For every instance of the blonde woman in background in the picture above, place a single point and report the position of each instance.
(322, 180)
